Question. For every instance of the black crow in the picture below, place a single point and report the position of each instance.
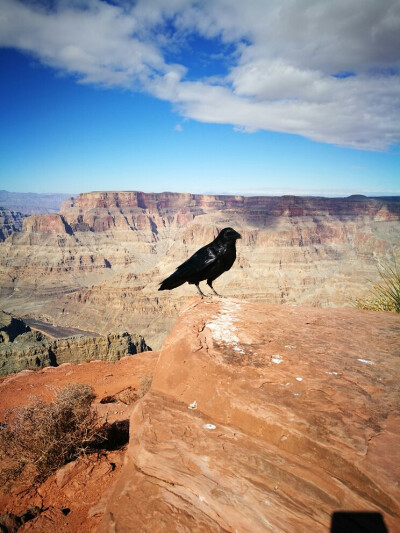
(207, 263)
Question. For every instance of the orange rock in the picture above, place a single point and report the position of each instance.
(74, 498)
(294, 416)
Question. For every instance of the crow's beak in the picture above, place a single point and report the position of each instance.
(238, 235)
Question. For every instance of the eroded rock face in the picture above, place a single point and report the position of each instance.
(265, 418)
(100, 261)
(52, 223)
(23, 349)
(11, 327)
(10, 221)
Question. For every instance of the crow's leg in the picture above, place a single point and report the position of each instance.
(209, 283)
(198, 288)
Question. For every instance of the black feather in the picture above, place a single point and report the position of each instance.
(207, 263)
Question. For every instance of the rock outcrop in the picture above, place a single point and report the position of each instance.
(11, 327)
(265, 418)
(100, 260)
(53, 223)
(74, 498)
(10, 221)
(24, 349)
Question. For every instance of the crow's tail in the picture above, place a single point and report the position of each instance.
(171, 283)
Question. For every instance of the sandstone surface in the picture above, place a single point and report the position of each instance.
(100, 260)
(265, 418)
(73, 500)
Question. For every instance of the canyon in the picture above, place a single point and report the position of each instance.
(10, 222)
(97, 263)
(22, 348)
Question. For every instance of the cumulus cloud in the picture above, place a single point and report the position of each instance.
(326, 70)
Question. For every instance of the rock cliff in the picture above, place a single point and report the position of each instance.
(264, 418)
(100, 260)
(24, 349)
(11, 327)
(260, 418)
(10, 221)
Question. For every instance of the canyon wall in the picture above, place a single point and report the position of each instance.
(10, 221)
(98, 263)
(24, 349)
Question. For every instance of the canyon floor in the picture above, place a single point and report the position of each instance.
(260, 417)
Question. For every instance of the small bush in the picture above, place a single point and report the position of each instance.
(385, 294)
(38, 439)
(144, 386)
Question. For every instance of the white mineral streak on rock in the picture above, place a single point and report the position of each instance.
(222, 326)
(366, 361)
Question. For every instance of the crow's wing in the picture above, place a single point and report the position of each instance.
(197, 263)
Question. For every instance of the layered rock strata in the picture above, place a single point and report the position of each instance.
(10, 221)
(31, 350)
(265, 418)
(100, 261)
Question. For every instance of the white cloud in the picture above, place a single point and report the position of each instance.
(178, 127)
(285, 71)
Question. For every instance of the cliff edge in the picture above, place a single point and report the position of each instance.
(264, 418)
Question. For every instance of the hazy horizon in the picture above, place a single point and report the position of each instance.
(289, 192)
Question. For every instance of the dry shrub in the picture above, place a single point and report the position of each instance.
(144, 386)
(38, 439)
(385, 294)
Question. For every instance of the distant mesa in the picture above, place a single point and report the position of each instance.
(30, 203)
(14, 207)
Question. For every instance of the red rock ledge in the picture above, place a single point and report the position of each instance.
(264, 418)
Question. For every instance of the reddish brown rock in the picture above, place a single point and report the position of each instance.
(51, 223)
(107, 379)
(74, 499)
(265, 418)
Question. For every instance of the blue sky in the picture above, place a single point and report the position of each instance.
(264, 97)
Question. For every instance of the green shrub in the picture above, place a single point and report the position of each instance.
(38, 439)
(384, 294)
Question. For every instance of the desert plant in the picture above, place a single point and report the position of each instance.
(144, 385)
(39, 438)
(384, 294)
